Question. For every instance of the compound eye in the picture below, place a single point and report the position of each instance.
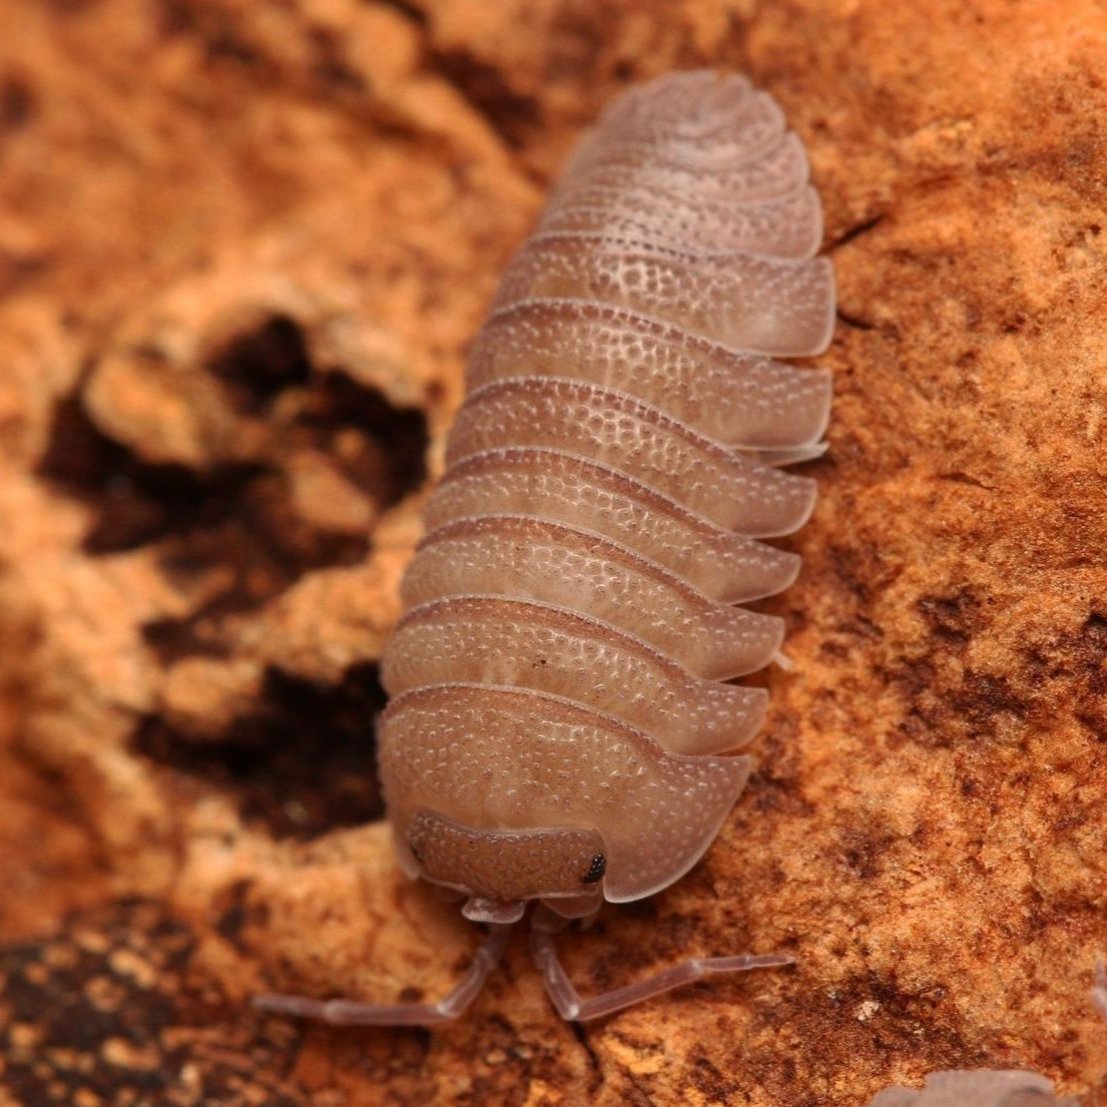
(595, 870)
(502, 864)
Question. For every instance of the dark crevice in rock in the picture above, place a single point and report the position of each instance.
(513, 116)
(247, 522)
(18, 103)
(400, 433)
(261, 361)
(236, 913)
(854, 321)
(139, 502)
(200, 635)
(955, 617)
(407, 9)
(302, 763)
(855, 232)
(596, 1079)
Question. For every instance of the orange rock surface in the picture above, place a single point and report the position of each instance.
(243, 246)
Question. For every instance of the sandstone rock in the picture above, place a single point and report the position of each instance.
(242, 249)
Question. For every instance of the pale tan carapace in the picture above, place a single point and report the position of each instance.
(560, 728)
(989, 1087)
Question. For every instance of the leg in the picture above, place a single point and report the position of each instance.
(571, 1007)
(1099, 992)
(344, 1012)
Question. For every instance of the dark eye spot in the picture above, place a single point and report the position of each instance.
(595, 870)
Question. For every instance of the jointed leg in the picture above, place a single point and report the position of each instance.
(572, 1007)
(344, 1012)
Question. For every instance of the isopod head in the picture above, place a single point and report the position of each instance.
(560, 731)
(502, 870)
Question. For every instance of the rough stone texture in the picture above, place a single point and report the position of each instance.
(242, 247)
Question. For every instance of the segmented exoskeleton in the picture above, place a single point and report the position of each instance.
(560, 728)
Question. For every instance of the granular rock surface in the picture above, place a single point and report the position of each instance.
(243, 247)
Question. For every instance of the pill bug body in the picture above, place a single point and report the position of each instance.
(976, 1088)
(990, 1087)
(558, 729)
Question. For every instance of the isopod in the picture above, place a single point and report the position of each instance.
(561, 730)
(978, 1088)
(989, 1087)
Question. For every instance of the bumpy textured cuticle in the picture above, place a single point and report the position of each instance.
(976, 1088)
(560, 714)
